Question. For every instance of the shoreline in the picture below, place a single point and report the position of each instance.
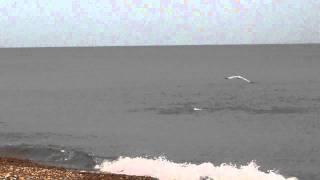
(14, 168)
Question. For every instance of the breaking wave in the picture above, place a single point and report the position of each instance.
(164, 169)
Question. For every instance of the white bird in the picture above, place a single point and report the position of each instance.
(197, 109)
(239, 77)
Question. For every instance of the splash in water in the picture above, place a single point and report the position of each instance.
(163, 169)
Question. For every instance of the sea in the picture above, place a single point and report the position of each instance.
(165, 111)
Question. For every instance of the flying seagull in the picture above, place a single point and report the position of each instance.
(239, 77)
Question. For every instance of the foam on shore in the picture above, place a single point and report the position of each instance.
(164, 169)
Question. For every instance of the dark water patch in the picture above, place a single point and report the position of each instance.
(272, 110)
(178, 108)
(188, 109)
(175, 110)
(3, 125)
(317, 99)
(133, 110)
(282, 110)
(143, 109)
(50, 155)
(150, 109)
(39, 136)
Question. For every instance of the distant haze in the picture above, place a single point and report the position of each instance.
(38, 23)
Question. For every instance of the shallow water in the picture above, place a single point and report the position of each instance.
(101, 103)
(51, 155)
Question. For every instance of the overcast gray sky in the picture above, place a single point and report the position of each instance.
(26, 23)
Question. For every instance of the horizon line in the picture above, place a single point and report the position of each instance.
(150, 46)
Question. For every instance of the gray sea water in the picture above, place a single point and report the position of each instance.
(78, 106)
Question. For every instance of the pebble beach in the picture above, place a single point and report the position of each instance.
(18, 169)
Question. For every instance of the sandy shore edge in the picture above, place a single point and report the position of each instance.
(13, 168)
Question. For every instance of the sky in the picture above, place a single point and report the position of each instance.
(39, 23)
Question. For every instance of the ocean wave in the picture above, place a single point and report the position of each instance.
(164, 169)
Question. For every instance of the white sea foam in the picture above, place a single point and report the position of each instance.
(163, 169)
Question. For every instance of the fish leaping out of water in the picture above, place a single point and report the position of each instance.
(239, 77)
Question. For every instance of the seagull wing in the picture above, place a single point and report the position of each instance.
(244, 79)
(239, 77)
(232, 77)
